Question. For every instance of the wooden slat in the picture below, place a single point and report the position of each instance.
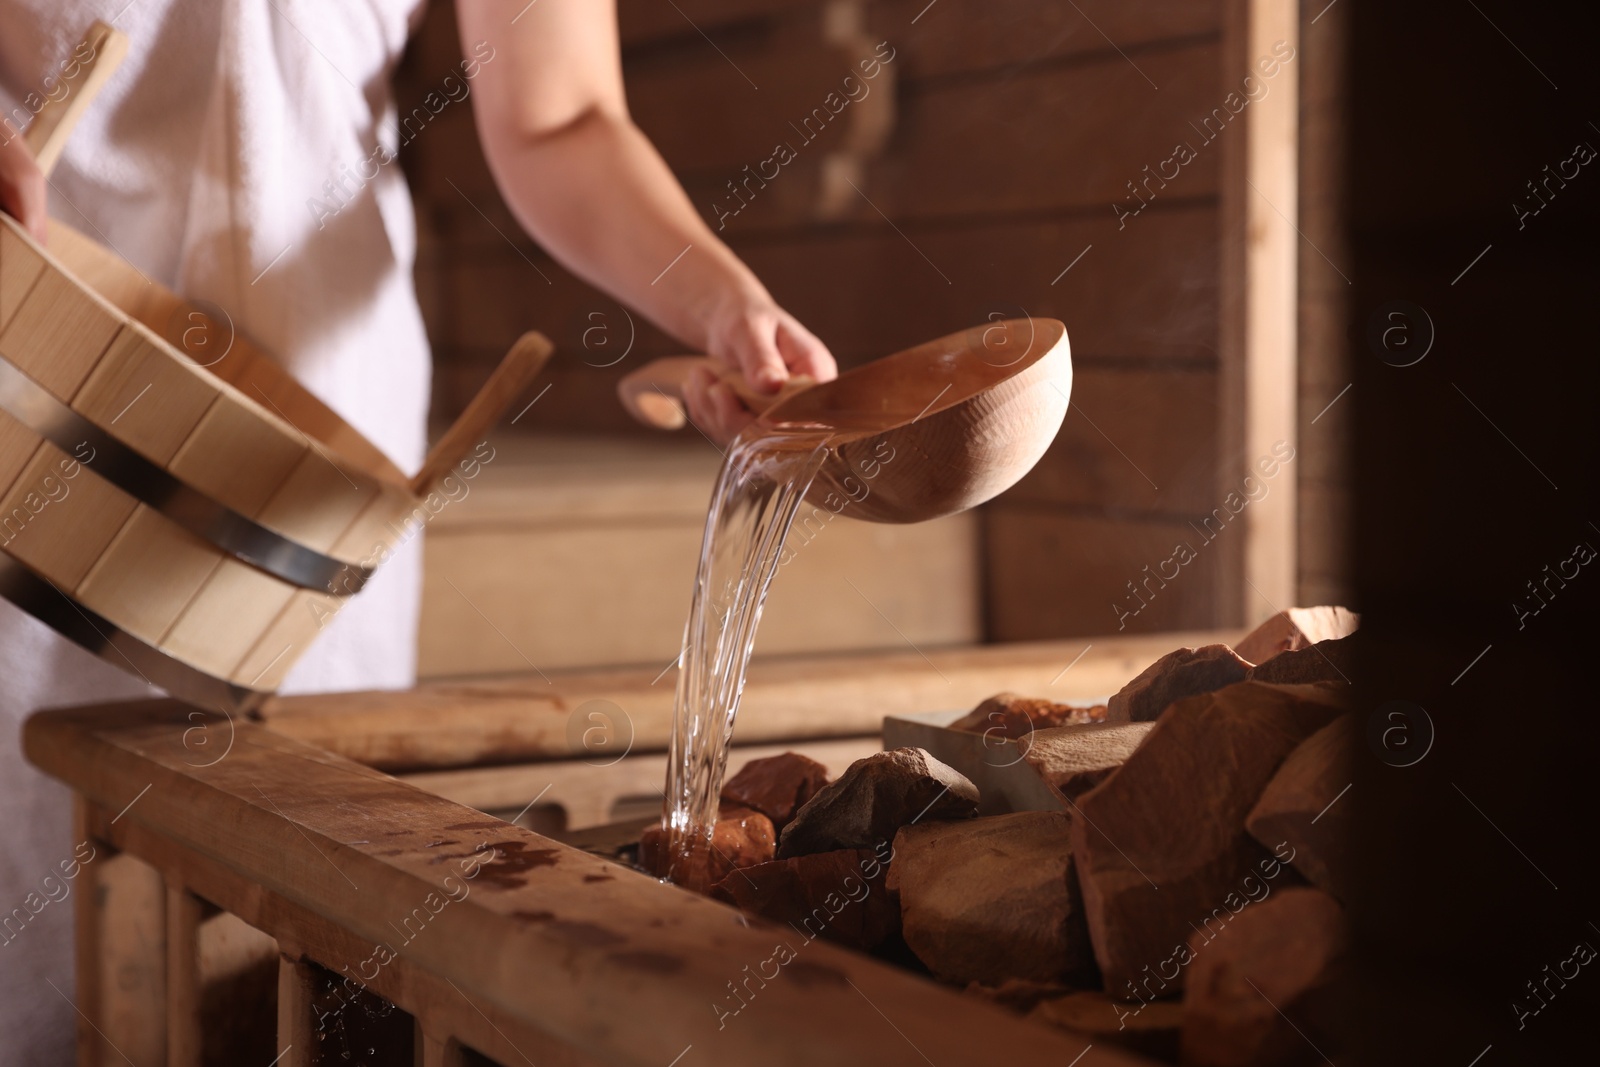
(766, 102)
(303, 615)
(617, 593)
(184, 913)
(970, 36)
(119, 915)
(59, 333)
(225, 618)
(1051, 574)
(60, 525)
(1135, 439)
(438, 1052)
(1075, 137)
(1259, 301)
(319, 500)
(17, 446)
(115, 279)
(147, 575)
(1324, 537)
(1149, 291)
(1325, 363)
(235, 457)
(143, 397)
(642, 21)
(20, 266)
(1079, 135)
(460, 723)
(588, 790)
(297, 1030)
(558, 943)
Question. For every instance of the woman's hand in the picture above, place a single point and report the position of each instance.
(588, 185)
(22, 187)
(765, 344)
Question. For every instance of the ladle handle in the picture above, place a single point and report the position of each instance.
(96, 59)
(653, 394)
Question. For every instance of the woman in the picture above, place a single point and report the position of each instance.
(206, 161)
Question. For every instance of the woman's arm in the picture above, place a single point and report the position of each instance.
(588, 185)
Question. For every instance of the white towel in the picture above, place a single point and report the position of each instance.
(230, 158)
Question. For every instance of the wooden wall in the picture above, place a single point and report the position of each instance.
(977, 178)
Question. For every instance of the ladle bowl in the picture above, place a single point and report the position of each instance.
(925, 432)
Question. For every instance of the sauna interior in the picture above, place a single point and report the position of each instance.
(443, 876)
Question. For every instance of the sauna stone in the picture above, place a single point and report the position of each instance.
(1184, 673)
(1325, 661)
(989, 899)
(839, 896)
(1019, 994)
(777, 785)
(1161, 847)
(1011, 715)
(1074, 759)
(1151, 1029)
(741, 838)
(1259, 993)
(874, 798)
(1305, 806)
(1297, 628)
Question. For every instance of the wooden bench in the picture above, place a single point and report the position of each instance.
(219, 850)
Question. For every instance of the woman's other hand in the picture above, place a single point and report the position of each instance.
(22, 187)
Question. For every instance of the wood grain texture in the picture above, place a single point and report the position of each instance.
(1135, 440)
(1051, 573)
(90, 66)
(505, 385)
(311, 847)
(642, 21)
(786, 699)
(148, 574)
(60, 525)
(143, 397)
(589, 790)
(1260, 304)
(304, 614)
(226, 617)
(20, 266)
(113, 278)
(1081, 135)
(297, 1030)
(1325, 364)
(185, 1046)
(319, 500)
(605, 552)
(236, 458)
(119, 917)
(793, 106)
(17, 447)
(59, 333)
(1147, 292)
(972, 36)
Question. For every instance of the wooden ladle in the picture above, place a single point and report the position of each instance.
(928, 431)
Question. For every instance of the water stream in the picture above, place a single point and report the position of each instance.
(763, 479)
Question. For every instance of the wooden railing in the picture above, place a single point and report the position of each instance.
(495, 942)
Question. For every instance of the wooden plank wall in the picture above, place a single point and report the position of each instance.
(1326, 416)
(992, 173)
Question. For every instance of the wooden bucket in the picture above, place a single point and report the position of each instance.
(186, 511)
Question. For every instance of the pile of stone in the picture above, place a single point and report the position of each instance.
(1186, 900)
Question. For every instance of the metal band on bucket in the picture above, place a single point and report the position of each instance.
(30, 404)
(44, 601)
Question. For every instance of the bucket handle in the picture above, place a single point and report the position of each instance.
(96, 59)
